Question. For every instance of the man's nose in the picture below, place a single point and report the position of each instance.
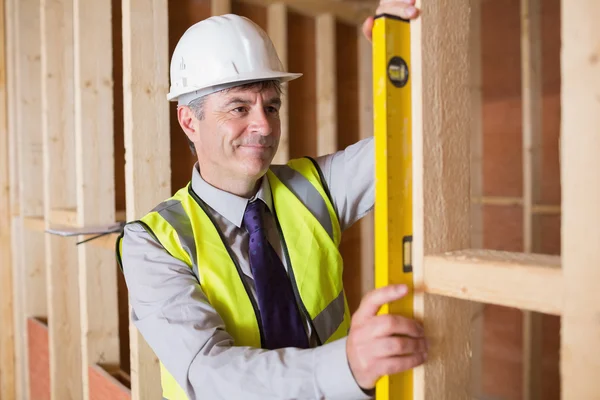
(260, 122)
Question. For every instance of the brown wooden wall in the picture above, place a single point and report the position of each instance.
(503, 177)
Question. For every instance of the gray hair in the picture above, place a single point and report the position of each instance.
(197, 105)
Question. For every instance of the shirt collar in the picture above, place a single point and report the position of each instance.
(229, 205)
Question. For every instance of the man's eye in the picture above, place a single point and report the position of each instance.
(272, 110)
(239, 109)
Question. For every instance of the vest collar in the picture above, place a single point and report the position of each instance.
(229, 205)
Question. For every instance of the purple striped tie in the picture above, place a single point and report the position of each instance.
(281, 320)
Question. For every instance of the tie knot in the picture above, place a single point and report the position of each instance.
(253, 216)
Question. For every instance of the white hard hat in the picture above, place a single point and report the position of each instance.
(222, 52)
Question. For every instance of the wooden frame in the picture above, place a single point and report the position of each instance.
(71, 98)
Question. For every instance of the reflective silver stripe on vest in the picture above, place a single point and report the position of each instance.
(172, 211)
(306, 193)
(328, 320)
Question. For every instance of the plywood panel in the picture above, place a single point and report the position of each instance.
(103, 386)
(39, 364)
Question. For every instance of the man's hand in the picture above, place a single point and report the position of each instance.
(381, 345)
(402, 8)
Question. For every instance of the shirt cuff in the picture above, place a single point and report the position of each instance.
(333, 378)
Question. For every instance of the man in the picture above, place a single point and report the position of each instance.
(236, 281)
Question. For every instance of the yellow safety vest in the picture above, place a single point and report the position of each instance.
(310, 233)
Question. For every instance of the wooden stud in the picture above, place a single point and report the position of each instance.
(531, 83)
(476, 126)
(31, 276)
(326, 85)
(11, 86)
(145, 86)
(59, 191)
(441, 153)
(95, 188)
(367, 223)
(580, 177)
(220, 7)
(7, 323)
(15, 387)
(546, 209)
(492, 277)
(277, 29)
(476, 188)
(21, 374)
(67, 217)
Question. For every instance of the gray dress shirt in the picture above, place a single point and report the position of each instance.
(188, 336)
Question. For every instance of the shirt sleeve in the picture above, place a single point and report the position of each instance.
(350, 176)
(188, 336)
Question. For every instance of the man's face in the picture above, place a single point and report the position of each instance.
(239, 134)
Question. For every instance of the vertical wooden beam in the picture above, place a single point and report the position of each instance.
(31, 269)
(277, 29)
(147, 145)
(59, 192)
(7, 326)
(95, 187)
(365, 99)
(440, 73)
(220, 7)
(580, 177)
(476, 187)
(21, 386)
(18, 379)
(326, 85)
(531, 89)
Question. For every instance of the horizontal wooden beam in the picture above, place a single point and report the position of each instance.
(34, 224)
(351, 12)
(516, 201)
(61, 217)
(525, 281)
(68, 217)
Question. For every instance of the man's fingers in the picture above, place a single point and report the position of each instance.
(398, 346)
(373, 301)
(400, 8)
(393, 365)
(390, 324)
(367, 28)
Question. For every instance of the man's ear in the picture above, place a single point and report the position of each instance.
(188, 122)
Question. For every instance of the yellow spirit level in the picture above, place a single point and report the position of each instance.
(393, 176)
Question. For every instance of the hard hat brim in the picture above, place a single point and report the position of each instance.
(232, 81)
